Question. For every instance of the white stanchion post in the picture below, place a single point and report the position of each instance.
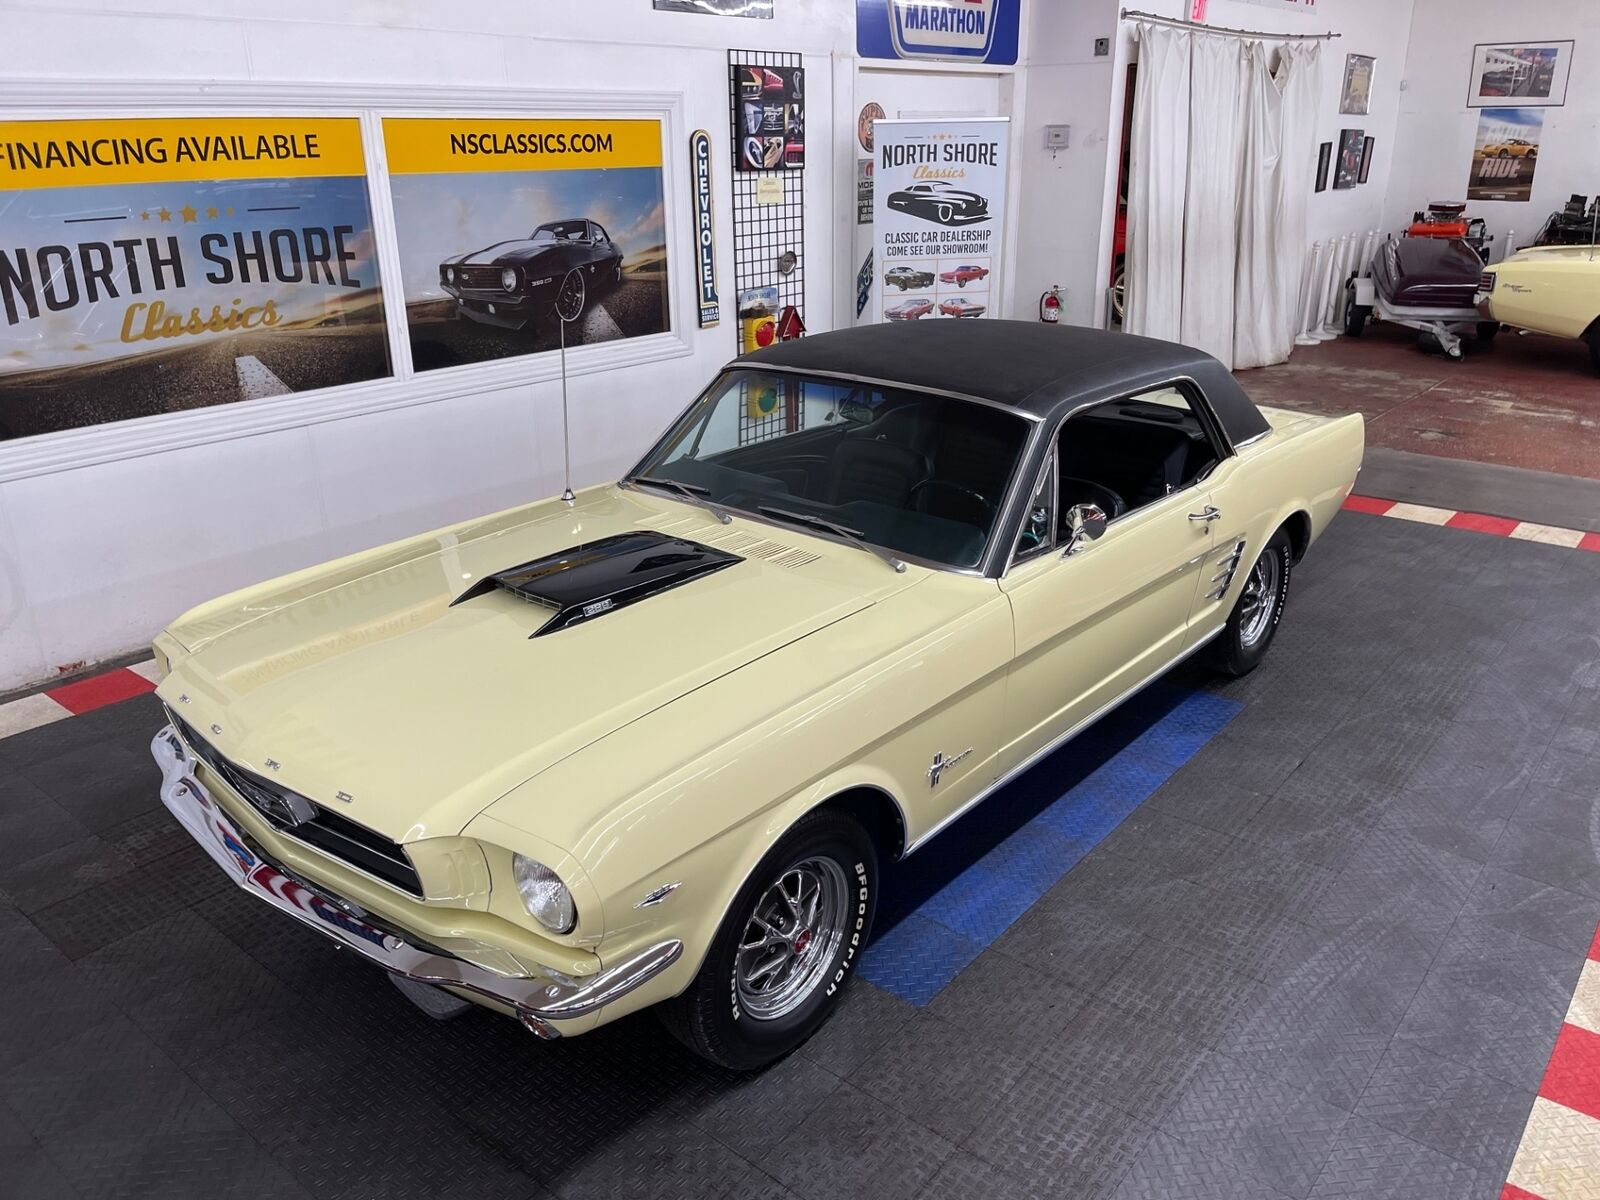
(1505, 247)
(1335, 316)
(1319, 326)
(1310, 290)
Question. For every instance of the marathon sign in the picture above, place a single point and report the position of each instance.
(705, 231)
(952, 30)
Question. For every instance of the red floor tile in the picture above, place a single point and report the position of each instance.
(1482, 524)
(1368, 504)
(88, 694)
(1573, 1076)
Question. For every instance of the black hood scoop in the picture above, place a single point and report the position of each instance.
(595, 578)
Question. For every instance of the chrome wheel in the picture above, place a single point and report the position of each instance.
(791, 938)
(570, 298)
(1260, 599)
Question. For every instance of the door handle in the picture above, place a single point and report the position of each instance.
(1208, 513)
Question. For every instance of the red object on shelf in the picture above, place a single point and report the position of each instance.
(790, 326)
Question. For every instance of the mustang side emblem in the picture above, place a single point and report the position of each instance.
(344, 797)
(941, 764)
(272, 764)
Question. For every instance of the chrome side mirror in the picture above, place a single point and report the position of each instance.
(1085, 524)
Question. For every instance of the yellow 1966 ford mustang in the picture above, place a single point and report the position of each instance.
(651, 747)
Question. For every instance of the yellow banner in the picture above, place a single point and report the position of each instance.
(438, 146)
(55, 154)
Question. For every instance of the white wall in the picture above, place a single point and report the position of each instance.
(95, 559)
(1438, 129)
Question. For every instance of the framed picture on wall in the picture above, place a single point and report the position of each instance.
(1348, 168)
(1366, 159)
(1324, 161)
(1527, 74)
(1355, 96)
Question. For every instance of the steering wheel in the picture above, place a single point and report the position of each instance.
(961, 489)
(1086, 491)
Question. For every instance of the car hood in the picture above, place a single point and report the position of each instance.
(424, 711)
(517, 250)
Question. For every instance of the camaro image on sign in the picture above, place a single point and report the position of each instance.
(539, 209)
(656, 746)
(941, 202)
(908, 278)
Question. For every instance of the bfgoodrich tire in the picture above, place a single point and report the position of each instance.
(1243, 642)
(787, 947)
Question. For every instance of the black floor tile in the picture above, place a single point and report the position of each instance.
(855, 1145)
(1372, 1162)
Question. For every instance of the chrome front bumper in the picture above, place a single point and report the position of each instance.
(537, 1002)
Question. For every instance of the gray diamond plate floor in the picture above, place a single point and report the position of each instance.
(1350, 989)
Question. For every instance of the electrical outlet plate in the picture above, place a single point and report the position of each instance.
(1102, 47)
(1056, 137)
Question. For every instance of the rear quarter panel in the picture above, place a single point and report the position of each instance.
(1555, 294)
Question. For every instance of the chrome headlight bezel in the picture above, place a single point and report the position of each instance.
(545, 896)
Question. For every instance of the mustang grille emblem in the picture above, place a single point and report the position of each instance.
(942, 763)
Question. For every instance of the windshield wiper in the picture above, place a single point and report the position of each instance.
(692, 492)
(853, 536)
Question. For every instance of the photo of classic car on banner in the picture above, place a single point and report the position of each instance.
(514, 284)
(483, 284)
(964, 274)
(657, 746)
(909, 310)
(908, 279)
(960, 306)
(941, 203)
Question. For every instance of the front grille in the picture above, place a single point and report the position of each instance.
(334, 835)
(479, 277)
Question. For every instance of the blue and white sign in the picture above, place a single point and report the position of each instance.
(953, 30)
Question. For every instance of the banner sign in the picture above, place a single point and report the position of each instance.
(705, 234)
(148, 266)
(496, 217)
(939, 199)
(961, 30)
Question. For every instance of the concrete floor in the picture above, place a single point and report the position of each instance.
(1521, 401)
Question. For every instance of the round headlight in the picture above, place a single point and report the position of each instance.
(508, 279)
(449, 274)
(544, 895)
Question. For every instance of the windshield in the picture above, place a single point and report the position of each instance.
(919, 475)
(561, 231)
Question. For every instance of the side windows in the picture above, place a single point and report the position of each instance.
(1039, 521)
(1130, 452)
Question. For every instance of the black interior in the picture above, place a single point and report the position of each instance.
(1136, 451)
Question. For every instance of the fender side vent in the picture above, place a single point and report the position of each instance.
(599, 577)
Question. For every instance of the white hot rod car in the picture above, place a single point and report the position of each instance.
(654, 746)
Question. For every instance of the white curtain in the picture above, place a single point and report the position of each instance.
(1216, 76)
(1278, 164)
(1260, 216)
(1157, 180)
(1219, 175)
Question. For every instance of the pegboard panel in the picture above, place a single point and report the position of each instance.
(762, 232)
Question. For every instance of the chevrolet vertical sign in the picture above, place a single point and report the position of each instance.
(705, 233)
(953, 30)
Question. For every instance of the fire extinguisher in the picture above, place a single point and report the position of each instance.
(1050, 305)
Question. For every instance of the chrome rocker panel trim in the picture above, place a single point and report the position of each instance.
(536, 1002)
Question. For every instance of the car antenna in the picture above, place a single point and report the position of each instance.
(568, 305)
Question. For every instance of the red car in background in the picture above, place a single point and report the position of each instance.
(960, 306)
(964, 274)
(909, 310)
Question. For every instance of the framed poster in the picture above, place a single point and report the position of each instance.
(1505, 154)
(1348, 167)
(1528, 74)
(154, 265)
(495, 218)
(719, 8)
(770, 108)
(1366, 159)
(1355, 96)
(1324, 161)
(939, 202)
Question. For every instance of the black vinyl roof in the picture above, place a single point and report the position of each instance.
(1037, 368)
